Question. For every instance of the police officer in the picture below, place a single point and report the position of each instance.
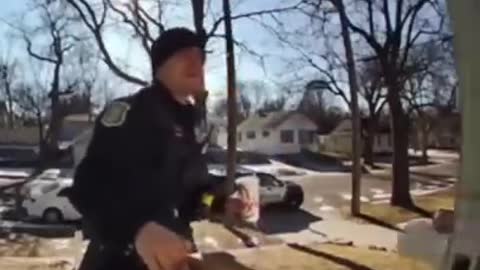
(143, 174)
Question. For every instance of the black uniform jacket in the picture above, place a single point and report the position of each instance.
(144, 163)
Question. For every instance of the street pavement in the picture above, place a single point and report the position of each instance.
(319, 218)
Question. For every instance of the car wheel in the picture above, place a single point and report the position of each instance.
(295, 201)
(52, 216)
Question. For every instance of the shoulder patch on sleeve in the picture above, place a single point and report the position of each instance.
(115, 114)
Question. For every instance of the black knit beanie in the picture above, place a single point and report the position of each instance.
(170, 42)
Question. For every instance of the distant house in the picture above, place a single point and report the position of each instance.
(446, 134)
(4, 114)
(18, 146)
(219, 130)
(340, 139)
(276, 133)
(74, 126)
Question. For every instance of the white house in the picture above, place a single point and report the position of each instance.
(276, 133)
(340, 139)
(219, 132)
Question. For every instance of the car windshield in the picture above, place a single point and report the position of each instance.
(48, 188)
(243, 158)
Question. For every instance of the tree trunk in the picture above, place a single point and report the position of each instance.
(50, 147)
(198, 19)
(41, 136)
(8, 93)
(424, 140)
(401, 180)
(369, 141)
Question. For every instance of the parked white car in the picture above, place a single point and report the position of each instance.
(253, 161)
(272, 190)
(50, 203)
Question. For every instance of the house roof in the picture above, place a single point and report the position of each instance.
(266, 120)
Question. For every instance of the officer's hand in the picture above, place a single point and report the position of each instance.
(162, 249)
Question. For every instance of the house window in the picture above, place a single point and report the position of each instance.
(251, 135)
(239, 136)
(286, 136)
(266, 133)
(305, 136)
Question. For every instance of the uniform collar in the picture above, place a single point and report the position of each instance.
(159, 89)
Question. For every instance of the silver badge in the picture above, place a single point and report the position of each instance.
(178, 131)
(201, 132)
(115, 114)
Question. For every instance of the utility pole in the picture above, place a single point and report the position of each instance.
(231, 98)
(353, 83)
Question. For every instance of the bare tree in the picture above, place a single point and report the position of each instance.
(430, 90)
(55, 22)
(253, 94)
(146, 21)
(220, 107)
(33, 104)
(389, 30)
(372, 91)
(273, 104)
(7, 80)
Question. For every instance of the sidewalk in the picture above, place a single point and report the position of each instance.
(360, 234)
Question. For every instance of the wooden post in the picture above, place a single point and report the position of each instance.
(231, 98)
(352, 78)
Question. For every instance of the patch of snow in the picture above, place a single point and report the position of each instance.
(364, 199)
(14, 174)
(427, 192)
(318, 199)
(61, 243)
(381, 202)
(382, 196)
(326, 208)
(211, 241)
(348, 197)
(377, 190)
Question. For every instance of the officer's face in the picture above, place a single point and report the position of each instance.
(184, 71)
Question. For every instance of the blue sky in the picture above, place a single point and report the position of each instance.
(248, 67)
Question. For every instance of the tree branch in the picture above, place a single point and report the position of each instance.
(158, 24)
(218, 22)
(386, 15)
(96, 30)
(370, 17)
(370, 39)
(36, 55)
(140, 29)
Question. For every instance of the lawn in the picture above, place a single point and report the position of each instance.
(313, 257)
(391, 215)
(213, 237)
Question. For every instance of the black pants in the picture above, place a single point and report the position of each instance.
(99, 257)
